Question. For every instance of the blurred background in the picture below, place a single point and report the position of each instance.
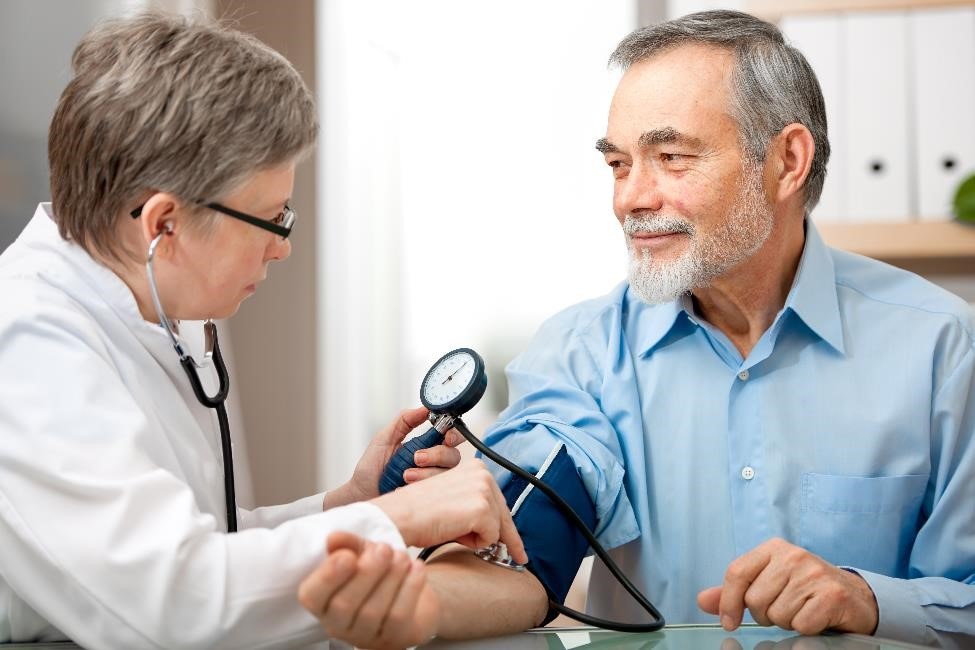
(455, 199)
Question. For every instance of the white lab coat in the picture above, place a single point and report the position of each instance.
(112, 513)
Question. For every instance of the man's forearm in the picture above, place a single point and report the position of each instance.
(479, 599)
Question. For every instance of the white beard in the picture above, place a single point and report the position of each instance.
(745, 229)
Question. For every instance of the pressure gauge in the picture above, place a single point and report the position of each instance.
(450, 388)
(455, 383)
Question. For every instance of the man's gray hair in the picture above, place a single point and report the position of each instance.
(772, 84)
(161, 102)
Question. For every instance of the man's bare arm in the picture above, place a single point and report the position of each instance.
(479, 599)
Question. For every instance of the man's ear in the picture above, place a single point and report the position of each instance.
(160, 213)
(793, 149)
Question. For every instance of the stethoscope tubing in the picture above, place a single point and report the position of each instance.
(216, 401)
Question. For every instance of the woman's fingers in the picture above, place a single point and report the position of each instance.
(376, 605)
(405, 422)
(469, 508)
(432, 461)
(316, 590)
(342, 610)
(341, 539)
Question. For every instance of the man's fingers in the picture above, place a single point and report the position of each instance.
(708, 599)
(329, 576)
(770, 587)
(783, 612)
(811, 618)
(738, 578)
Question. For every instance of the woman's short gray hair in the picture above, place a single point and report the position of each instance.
(167, 103)
(771, 87)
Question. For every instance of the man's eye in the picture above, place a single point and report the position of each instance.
(278, 220)
(671, 157)
(619, 167)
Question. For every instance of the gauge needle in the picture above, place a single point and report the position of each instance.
(451, 375)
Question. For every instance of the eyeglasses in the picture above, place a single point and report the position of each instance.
(280, 225)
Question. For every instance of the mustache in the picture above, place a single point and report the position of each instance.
(633, 225)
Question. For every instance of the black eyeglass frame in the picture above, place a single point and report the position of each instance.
(281, 231)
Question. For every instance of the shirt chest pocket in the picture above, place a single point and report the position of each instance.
(865, 523)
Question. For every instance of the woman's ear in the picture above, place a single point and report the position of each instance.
(160, 213)
(794, 149)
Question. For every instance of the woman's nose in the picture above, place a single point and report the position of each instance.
(279, 250)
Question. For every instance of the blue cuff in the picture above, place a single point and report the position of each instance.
(554, 545)
(899, 614)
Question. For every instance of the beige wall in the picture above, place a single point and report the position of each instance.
(273, 334)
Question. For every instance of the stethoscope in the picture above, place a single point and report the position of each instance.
(211, 355)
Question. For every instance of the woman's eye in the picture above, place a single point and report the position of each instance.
(278, 219)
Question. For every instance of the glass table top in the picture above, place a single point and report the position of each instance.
(673, 637)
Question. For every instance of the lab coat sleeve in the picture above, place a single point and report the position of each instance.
(111, 548)
(274, 516)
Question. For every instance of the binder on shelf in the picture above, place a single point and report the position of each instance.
(875, 98)
(820, 38)
(942, 72)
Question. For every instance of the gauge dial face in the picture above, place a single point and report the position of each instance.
(454, 383)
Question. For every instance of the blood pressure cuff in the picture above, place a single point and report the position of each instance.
(554, 545)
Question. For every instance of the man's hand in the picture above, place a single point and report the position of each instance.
(364, 483)
(463, 505)
(371, 596)
(785, 585)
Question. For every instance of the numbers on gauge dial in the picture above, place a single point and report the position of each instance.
(449, 379)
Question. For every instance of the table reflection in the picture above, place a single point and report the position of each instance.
(680, 637)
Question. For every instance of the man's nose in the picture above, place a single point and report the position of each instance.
(638, 192)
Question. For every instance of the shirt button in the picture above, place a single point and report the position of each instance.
(747, 473)
(743, 375)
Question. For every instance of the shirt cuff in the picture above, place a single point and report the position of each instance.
(899, 611)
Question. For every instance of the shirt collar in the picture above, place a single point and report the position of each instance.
(812, 299)
(657, 322)
(813, 295)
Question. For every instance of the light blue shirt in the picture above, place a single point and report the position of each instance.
(849, 430)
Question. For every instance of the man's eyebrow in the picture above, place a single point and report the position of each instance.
(605, 146)
(667, 135)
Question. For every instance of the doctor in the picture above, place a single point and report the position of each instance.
(174, 143)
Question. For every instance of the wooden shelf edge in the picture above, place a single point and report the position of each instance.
(773, 10)
(934, 247)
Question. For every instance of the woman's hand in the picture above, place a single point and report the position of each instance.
(364, 483)
(463, 505)
(370, 595)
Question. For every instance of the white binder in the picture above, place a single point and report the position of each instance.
(875, 101)
(819, 37)
(943, 98)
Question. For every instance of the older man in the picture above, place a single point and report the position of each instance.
(757, 423)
